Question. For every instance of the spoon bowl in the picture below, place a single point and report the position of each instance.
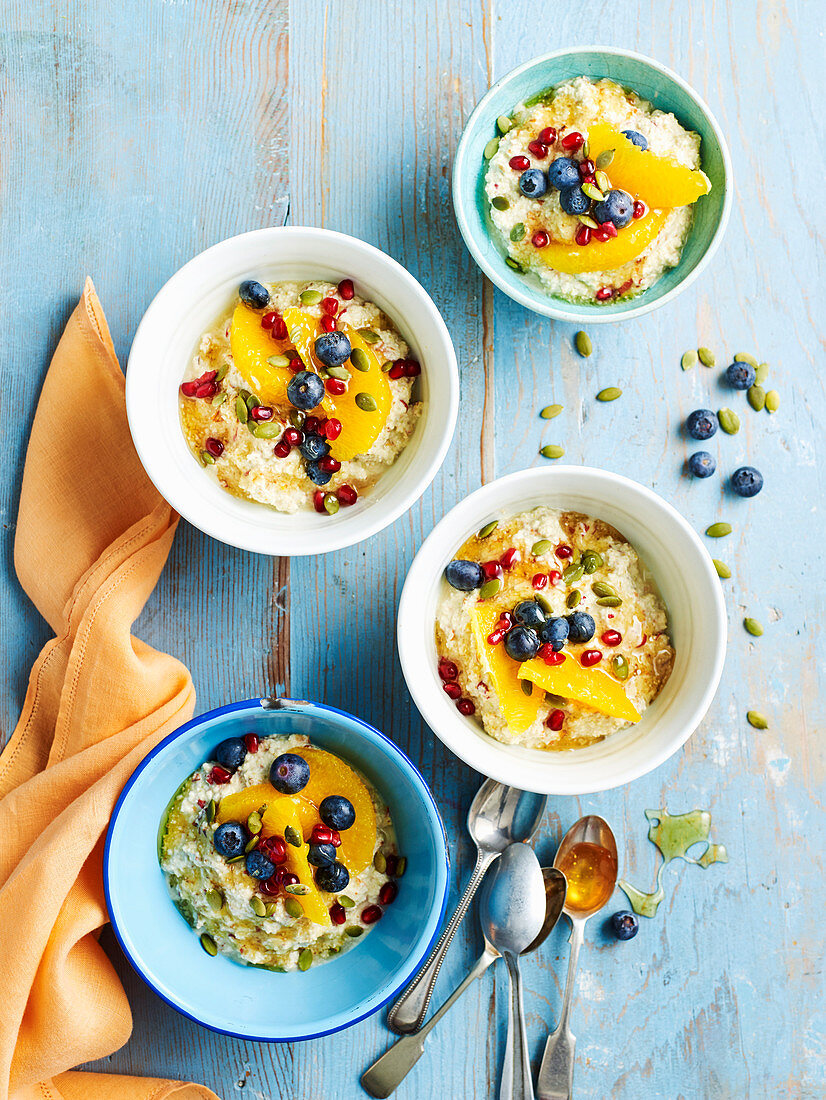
(556, 887)
(512, 906)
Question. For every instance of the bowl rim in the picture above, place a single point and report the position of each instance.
(267, 540)
(258, 704)
(550, 309)
(515, 772)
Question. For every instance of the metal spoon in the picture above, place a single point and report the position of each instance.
(498, 816)
(556, 1074)
(387, 1072)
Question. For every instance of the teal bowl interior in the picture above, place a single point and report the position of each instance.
(665, 91)
(245, 1001)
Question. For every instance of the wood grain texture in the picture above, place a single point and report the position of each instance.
(133, 136)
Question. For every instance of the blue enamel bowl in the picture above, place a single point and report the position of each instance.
(666, 91)
(244, 1001)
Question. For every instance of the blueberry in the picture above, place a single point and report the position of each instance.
(253, 294)
(258, 865)
(581, 627)
(333, 877)
(616, 207)
(332, 348)
(741, 375)
(305, 390)
(289, 773)
(316, 474)
(563, 172)
(554, 633)
(533, 183)
(636, 138)
(701, 424)
(521, 643)
(337, 812)
(465, 575)
(320, 855)
(529, 613)
(573, 200)
(314, 447)
(747, 482)
(230, 839)
(702, 464)
(230, 753)
(625, 925)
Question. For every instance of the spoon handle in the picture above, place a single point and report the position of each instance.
(407, 1014)
(556, 1074)
(516, 1070)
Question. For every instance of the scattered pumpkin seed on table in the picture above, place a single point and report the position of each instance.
(582, 342)
(552, 450)
(514, 265)
(550, 411)
(757, 397)
(401, 866)
(604, 159)
(707, 357)
(346, 901)
(380, 862)
(215, 900)
(772, 401)
(353, 931)
(366, 402)
(490, 588)
(722, 569)
(753, 627)
(610, 393)
(761, 374)
(744, 357)
(603, 182)
(688, 360)
(729, 421)
(527, 687)
(573, 598)
(756, 719)
(718, 530)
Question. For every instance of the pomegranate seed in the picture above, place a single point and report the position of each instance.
(555, 720)
(262, 412)
(538, 581)
(587, 168)
(208, 376)
(644, 640)
(346, 495)
(371, 914)
(331, 429)
(452, 690)
(564, 551)
(329, 306)
(329, 465)
(219, 775)
(275, 847)
(335, 386)
(609, 228)
(505, 620)
(612, 637)
(293, 436)
(509, 558)
(346, 289)
(188, 389)
(601, 235)
(448, 670)
(588, 179)
(604, 293)
(583, 235)
(464, 706)
(397, 370)
(551, 658)
(279, 328)
(639, 208)
(214, 447)
(281, 449)
(572, 141)
(491, 569)
(411, 368)
(519, 164)
(626, 286)
(590, 657)
(312, 424)
(548, 135)
(540, 239)
(268, 320)
(387, 894)
(328, 323)
(201, 803)
(322, 834)
(392, 864)
(295, 365)
(538, 148)
(206, 389)
(554, 576)
(318, 501)
(337, 913)
(286, 878)
(270, 886)
(496, 636)
(251, 741)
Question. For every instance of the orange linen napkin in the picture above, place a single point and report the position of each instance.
(92, 538)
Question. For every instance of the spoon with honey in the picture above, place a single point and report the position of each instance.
(587, 857)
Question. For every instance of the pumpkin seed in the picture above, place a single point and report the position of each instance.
(688, 360)
(592, 561)
(527, 687)
(292, 836)
(346, 901)
(744, 357)
(297, 418)
(772, 401)
(254, 822)
(718, 530)
(609, 394)
(573, 573)
(293, 908)
(514, 265)
(310, 297)
(244, 394)
(619, 667)
(761, 374)
(593, 192)
(297, 888)
(208, 944)
(270, 908)
(490, 588)
(241, 410)
(586, 148)
(236, 859)
(753, 627)
(353, 931)
(490, 149)
(604, 159)
(582, 342)
(499, 202)
(267, 431)
(541, 547)
(215, 900)
(722, 569)
(279, 360)
(729, 421)
(331, 503)
(757, 397)
(251, 426)
(756, 719)
(518, 231)
(552, 450)
(573, 598)
(503, 124)
(488, 529)
(368, 335)
(385, 367)
(219, 399)
(222, 373)
(257, 905)
(210, 810)
(360, 359)
(550, 411)
(603, 588)
(544, 603)
(251, 843)
(380, 862)
(366, 402)
(707, 357)
(609, 601)
(305, 959)
(401, 866)
(252, 402)
(341, 373)
(206, 459)
(586, 219)
(603, 183)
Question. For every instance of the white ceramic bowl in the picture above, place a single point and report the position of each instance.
(188, 305)
(685, 575)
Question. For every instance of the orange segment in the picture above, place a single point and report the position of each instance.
(282, 813)
(659, 181)
(590, 686)
(239, 806)
(251, 347)
(519, 709)
(330, 775)
(608, 255)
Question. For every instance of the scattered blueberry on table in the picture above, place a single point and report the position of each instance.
(625, 925)
(702, 464)
(701, 424)
(747, 481)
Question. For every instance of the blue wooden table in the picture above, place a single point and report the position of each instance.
(133, 135)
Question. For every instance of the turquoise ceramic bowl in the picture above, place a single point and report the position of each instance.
(654, 82)
(248, 1002)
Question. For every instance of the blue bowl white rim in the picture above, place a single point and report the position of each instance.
(413, 963)
(549, 309)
